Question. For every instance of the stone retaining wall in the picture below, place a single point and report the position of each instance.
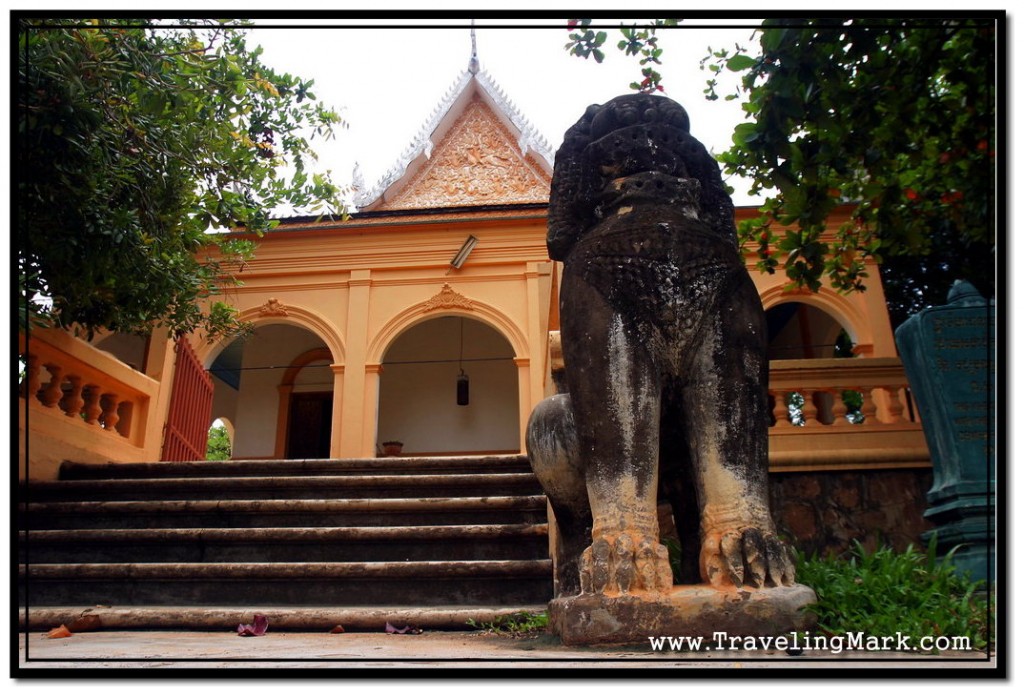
(825, 511)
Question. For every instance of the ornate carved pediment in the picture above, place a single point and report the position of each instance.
(447, 299)
(273, 308)
(476, 163)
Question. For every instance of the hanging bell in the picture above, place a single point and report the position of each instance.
(462, 389)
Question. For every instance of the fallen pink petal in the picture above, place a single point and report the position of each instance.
(258, 627)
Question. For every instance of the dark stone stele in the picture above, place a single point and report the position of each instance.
(948, 352)
(663, 337)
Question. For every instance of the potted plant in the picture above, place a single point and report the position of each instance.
(392, 448)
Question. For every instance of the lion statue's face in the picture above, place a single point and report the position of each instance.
(630, 135)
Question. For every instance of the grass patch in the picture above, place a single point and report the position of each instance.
(882, 593)
(521, 624)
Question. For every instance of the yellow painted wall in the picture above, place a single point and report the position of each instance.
(359, 285)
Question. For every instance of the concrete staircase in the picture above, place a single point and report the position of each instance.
(310, 543)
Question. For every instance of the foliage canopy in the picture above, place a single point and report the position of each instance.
(894, 116)
(136, 142)
(890, 122)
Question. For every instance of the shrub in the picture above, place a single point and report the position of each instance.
(883, 593)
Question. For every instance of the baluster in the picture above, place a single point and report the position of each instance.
(32, 383)
(73, 402)
(109, 416)
(869, 408)
(124, 418)
(93, 410)
(51, 396)
(810, 409)
(781, 410)
(895, 405)
(838, 408)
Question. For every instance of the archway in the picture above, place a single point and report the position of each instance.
(418, 389)
(259, 379)
(306, 407)
(799, 331)
(219, 438)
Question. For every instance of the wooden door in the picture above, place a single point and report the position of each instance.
(309, 425)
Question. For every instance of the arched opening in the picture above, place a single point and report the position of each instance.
(219, 438)
(269, 384)
(799, 331)
(419, 389)
(306, 406)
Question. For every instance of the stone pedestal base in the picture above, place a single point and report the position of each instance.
(689, 610)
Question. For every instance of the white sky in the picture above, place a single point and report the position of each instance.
(386, 82)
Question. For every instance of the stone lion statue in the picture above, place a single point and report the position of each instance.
(663, 336)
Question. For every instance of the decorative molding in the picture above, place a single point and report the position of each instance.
(420, 144)
(447, 299)
(273, 308)
(528, 136)
(476, 163)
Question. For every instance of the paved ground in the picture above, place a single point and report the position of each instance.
(430, 650)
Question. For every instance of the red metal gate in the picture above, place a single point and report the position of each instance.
(188, 422)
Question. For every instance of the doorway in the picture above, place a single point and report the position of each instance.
(425, 402)
(309, 425)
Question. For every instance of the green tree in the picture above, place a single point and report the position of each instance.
(137, 141)
(218, 445)
(895, 119)
(637, 40)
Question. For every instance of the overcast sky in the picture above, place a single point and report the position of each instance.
(387, 81)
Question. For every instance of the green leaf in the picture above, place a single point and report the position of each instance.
(744, 134)
(740, 62)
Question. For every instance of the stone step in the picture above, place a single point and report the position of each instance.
(320, 619)
(286, 544)
(349, 512)
(482, 464)
(414, 583)
(412, 533)
(283, 487)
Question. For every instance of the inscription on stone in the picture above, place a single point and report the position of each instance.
(954, 345)
(949, 355)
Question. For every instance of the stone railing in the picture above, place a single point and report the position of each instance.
(824, 427)
(82, 400)
(816, 430)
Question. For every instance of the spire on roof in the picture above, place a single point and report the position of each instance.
(474, 62)
(529, 138)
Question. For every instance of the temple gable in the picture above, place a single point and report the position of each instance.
(476, 163)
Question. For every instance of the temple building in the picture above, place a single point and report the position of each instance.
(429, 317)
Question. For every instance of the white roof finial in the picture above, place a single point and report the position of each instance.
(474, 62)
(358, 184)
